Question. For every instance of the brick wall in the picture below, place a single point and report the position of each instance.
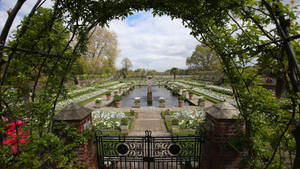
(217, 152)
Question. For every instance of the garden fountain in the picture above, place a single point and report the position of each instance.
(149, 95)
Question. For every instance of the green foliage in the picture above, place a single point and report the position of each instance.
(183, 133)
(137, 101)
(124, 121)
(181, 98)
(175, 121)
(201, 99)
(117, 98)
(90, 99)
(202, 58)
(175, 91)
(132, 113)
(98, 101)
(168, 125)
(242, 34)
(162, 100)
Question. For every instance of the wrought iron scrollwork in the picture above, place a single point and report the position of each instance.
(148, 133)
(122, 149)
(174, 149)
(99, 133)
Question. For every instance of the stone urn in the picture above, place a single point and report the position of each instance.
(191, 95)
(118, 101)
(180, 103)
(118, 104)
(137, 105)
(180, 91)
(162, 102)
(108, 96)
(98, 102)
(201, 102)
(137, 102)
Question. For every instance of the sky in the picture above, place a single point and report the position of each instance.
(149, 42)
(153, 42)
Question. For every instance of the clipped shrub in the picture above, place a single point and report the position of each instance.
(132, 113)
(124, 121)
(175, 91)
(167, 112)
(201, 99)
(181, 98)
(98, 101)
(137, 100)
(175, 121)
(162, 100)
(169, 125)
(117, 98)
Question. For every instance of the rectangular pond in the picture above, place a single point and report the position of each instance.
(157, 92)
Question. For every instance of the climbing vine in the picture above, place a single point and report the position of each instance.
(243, 33)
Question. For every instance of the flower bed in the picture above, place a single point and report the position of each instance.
(212, 94)
(112, 120)
(84, 97)
(185, 119)
(219, 89)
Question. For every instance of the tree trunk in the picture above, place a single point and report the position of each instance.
(75, 79)
(11, 17)
(280, 83)
(296, 133)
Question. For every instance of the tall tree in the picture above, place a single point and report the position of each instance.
(102, 51)
(203, 58)
(126, 63)
(174, 71)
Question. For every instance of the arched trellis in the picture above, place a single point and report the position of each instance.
(209, 20)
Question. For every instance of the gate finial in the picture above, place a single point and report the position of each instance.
(148, 132)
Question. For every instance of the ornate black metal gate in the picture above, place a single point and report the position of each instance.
(149, 152)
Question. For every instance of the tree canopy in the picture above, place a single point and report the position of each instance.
(202, 58)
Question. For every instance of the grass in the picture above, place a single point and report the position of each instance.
(168, 125)
(91, 99)
(115, 134)
(183, 133)
(95, 97)
(130, 124)
(205, 96)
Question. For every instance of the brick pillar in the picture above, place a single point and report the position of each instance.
(81, 117)
(221, 125)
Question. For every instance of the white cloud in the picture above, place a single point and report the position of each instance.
(5, 5)
(153, 43)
